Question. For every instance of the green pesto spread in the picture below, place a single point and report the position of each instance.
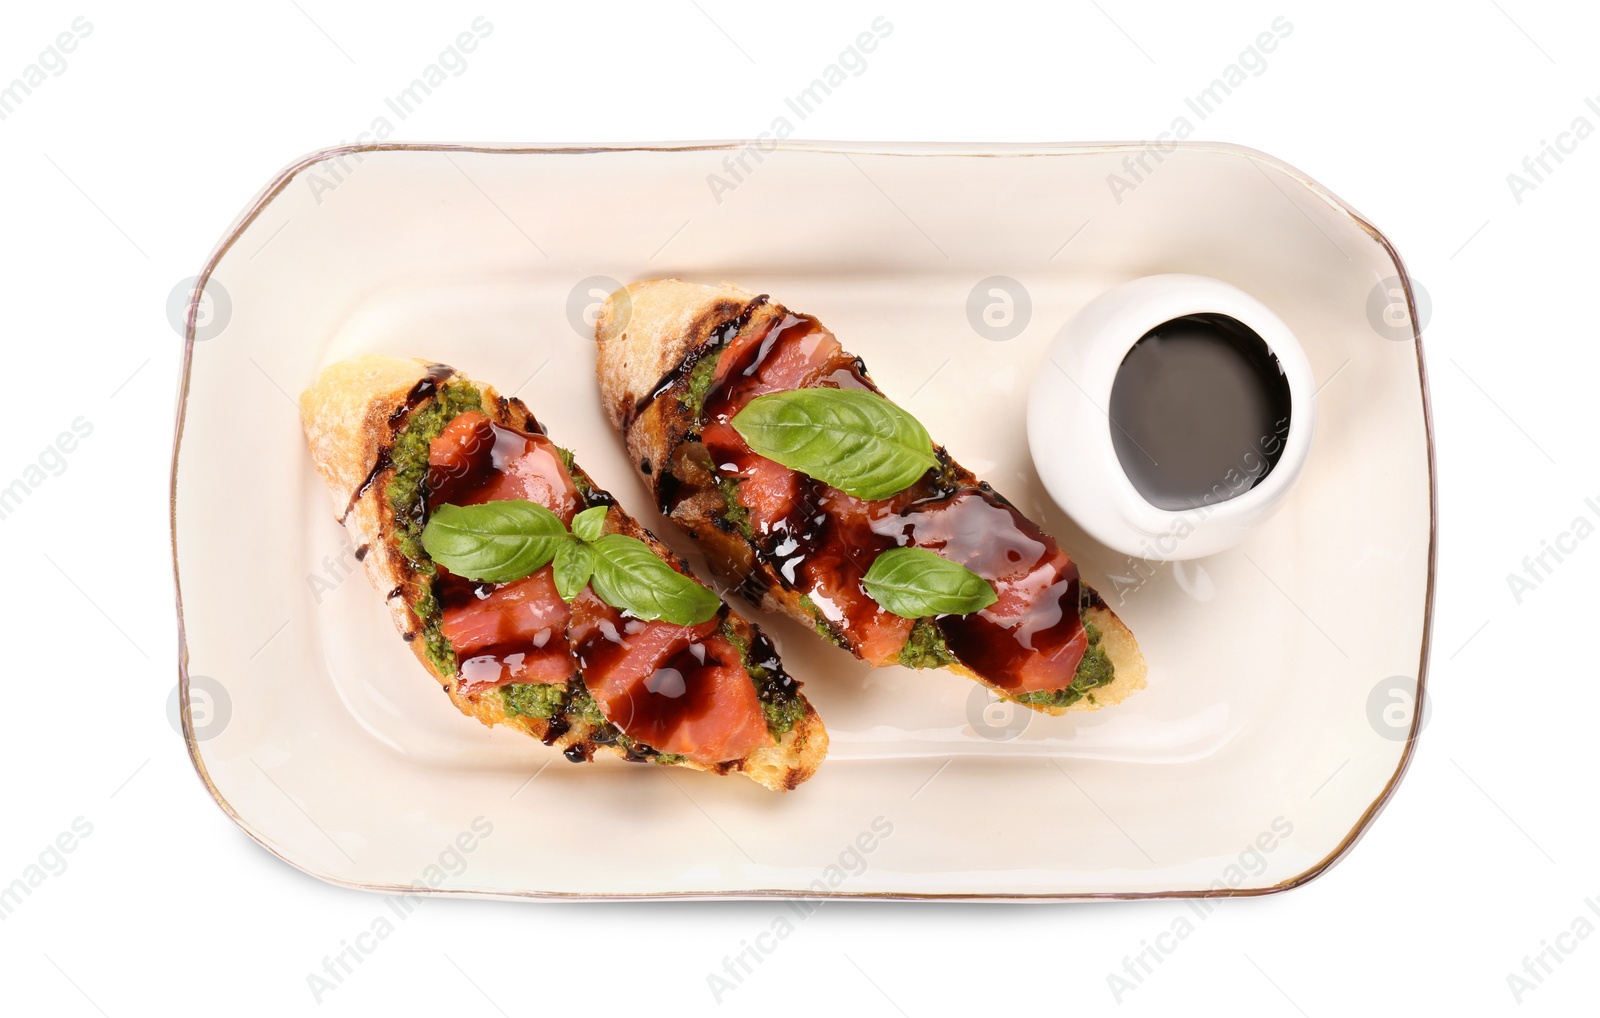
(781, 710)
(1094, 671)
(925, 647)
(407, 493)
(571, 703)
(581, 707)
(734, 513)
(534, 700)
(782, 715)
(434, 643)
(409, 456)
(700, 377)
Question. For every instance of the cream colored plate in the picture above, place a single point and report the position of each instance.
(1282, 674)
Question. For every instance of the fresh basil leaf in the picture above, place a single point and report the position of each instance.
(495, 542)
(915, 583)
(589, 524)
(853, 439)
(628, 575)
(574, 564)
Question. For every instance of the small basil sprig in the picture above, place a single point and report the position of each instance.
(588, 525)
(498, 542)
(574, 564)
(915, 583)
(852, 439)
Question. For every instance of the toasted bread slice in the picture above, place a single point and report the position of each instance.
(355, 416)
(651, 335)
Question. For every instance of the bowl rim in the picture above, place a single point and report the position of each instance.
(1095, 343)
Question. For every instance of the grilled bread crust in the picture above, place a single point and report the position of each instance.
(649, 335)
(351, 417)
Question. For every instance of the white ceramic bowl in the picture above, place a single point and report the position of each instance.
(1069, 427)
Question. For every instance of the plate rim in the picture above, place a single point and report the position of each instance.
(282, 179)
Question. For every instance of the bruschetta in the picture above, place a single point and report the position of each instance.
(816, 497)
(529, 594)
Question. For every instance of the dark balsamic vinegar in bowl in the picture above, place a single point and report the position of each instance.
(1199, 412)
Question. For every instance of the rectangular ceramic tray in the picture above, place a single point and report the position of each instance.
(1266, 740)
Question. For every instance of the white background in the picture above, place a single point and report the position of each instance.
(121, 172)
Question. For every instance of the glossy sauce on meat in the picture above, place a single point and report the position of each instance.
(814, 538)
(1032, 638)
(509, 632)
(680, 689)
(672, 688)
(475, 460)
(819, 541)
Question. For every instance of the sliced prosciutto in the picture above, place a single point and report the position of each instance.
(676, 689)
(679, 689)
(511, 632)
(815, 537)
(1032, 638)
(475, 460)
(820, 542)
